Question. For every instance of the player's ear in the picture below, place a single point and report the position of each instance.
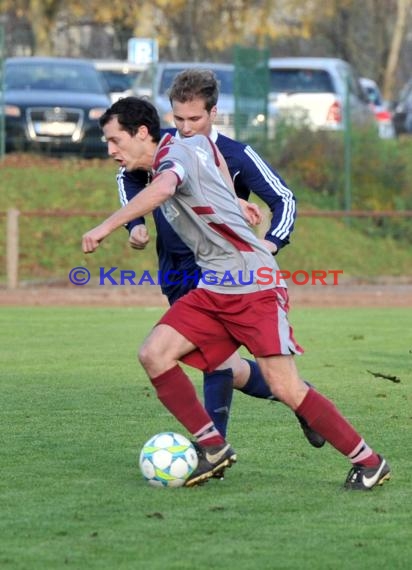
(142, 132)
(213, 112)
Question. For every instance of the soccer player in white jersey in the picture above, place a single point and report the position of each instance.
(193, 96)
(240, 305)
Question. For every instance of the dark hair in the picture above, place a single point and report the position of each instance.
(132, 113)
(196, 83)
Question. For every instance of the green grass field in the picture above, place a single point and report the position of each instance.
(76, 408)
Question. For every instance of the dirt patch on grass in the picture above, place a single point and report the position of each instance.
(386, 293)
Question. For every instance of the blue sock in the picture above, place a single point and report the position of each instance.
(218, 391)
(256, 385)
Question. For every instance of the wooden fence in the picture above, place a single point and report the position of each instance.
(13, 215)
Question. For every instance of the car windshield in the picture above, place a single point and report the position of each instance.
(373, 95)
(225, 78)
(300, 80)
(119, 81)
(52, 77)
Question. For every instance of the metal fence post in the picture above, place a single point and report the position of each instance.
(12, 248)
(2, 117)
(251, 90)
(348, 151)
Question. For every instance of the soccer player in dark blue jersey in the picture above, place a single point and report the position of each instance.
(193, 97)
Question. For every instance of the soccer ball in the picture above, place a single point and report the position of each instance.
(167, 459)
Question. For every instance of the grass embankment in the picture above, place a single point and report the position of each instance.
(50, 246)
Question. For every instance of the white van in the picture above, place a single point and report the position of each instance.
(314, 91)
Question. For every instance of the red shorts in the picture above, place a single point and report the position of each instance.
(217, 324)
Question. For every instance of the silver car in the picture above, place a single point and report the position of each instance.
(119, 76)
(155, 81)
(380, 108)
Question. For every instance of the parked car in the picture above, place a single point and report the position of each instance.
(314, 91)
(402, 113)
(380, 108)
(54, 105)
(119, 76)
(155, 81)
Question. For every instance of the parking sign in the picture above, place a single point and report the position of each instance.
(142, 51)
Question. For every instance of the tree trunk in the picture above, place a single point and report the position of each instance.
(41, 26)
(395, 48)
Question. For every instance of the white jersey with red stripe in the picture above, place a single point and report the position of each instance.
(206, 215)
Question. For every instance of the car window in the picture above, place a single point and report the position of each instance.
(373, 94)
(167, 79)
(53, 77)
(226, 80)
(300, 80)
(144, 80)
(119, 81)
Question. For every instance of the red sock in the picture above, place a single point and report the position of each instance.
(177, 393)
(323, 417)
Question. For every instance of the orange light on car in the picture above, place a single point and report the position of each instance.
(12, 111)
(383, 115)
(334, 115)
(96, 113)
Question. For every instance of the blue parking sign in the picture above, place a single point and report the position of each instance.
(142, 51)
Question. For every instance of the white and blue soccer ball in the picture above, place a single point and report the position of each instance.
(167, 459)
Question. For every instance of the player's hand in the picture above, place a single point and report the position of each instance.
(91, 240)
(139, 237)
(252, 212)
(269, 245)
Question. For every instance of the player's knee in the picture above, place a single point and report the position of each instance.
(154, 359)
(279, 391)
(241, 373)
(147, 355)
(240, 378)
(290, 393)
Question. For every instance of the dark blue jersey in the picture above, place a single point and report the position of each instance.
(250, 173)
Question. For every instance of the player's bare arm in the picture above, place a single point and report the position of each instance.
(161, 189)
